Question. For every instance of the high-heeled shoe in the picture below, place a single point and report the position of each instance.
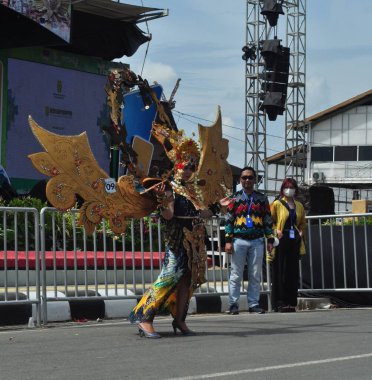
(176, 326)
(143, 333)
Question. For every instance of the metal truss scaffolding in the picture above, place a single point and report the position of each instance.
(257, 30)
(255, 122)
(295, 133)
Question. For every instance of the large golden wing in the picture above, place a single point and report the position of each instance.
(74, 170)
(214, 172)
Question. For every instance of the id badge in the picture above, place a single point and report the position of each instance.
(292, 233)
(249, 222)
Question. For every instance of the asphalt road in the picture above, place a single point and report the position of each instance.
(328, 344)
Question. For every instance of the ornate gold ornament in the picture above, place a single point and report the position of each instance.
(194, 243)
(214, 172)
(212, 180)
(70, 163)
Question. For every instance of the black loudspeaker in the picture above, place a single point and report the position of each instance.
(322, 200)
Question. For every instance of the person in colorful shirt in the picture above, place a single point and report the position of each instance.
(248, 222)
(289, 223)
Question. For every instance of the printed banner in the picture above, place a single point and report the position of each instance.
(51, 14)
(63, 101)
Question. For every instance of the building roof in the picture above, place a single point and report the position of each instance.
(116, 10)
(99, 28)
(281, 158)
(364, 98)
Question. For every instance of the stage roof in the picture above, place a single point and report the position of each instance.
(100, 28)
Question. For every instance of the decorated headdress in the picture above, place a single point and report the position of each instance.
(182, 151)
(185, 151)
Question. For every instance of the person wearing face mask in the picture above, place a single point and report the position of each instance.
(288, 216)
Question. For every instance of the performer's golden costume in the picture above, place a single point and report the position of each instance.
(70, 163)
(185, 252)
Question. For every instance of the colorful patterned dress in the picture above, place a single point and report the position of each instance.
(161, 297)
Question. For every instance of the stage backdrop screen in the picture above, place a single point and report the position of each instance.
(61, 100)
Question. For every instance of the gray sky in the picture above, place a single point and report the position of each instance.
(201, 40)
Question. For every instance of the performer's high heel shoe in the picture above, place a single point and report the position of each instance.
(143, 333)
(176, 326)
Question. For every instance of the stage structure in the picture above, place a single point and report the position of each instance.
(255, 121)
(62, 90)
(272, 65)
(295, 135)
(55, 58)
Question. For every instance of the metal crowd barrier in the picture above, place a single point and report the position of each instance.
(19, 258)
(102, 266)
(105, 267)
(74, 266)
(338, 254)
(77, 267)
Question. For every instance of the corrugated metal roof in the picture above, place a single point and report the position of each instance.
(352, 102)
(279, 158)
(99, 28)
(112, 9)
(360, 99)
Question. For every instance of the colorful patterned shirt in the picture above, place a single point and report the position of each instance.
(256, 206)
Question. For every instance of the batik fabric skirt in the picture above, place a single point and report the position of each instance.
(161, 297)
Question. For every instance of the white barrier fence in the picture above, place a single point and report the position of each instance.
(19, 258)
(47, 257)
(75, 267)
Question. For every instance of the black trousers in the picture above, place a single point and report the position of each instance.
(285, 272)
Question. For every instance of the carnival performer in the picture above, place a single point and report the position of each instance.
(288, 216)
(183, 269)
(200, 177)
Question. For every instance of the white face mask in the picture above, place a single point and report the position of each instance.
(289, 192)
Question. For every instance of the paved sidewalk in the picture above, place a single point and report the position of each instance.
(327, 344)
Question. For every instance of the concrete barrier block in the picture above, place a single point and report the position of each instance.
(119, 308)
(57, 311)
(192, 306)
(224, 303)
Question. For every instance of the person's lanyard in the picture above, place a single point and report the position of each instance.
(292, 220)
(248, 219)
(250, 201)
(292, 216)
